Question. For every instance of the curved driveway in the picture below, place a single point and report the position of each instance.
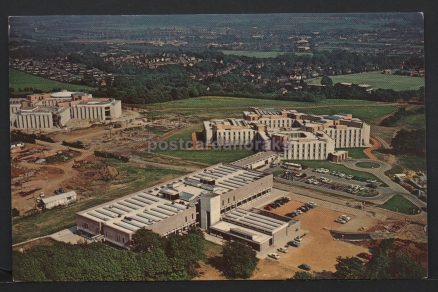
(394, 187)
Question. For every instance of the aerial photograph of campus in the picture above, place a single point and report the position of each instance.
(217, 147)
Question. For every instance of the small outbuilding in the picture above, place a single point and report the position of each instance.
(63, 199)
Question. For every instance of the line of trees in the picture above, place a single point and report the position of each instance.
(154, 258)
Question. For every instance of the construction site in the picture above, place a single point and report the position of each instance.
(104, 164)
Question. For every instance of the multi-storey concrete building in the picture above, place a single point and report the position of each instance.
(203, 198)
(301, 145)
(229, 132)
(45, 111)
(40, 118)
(263, 128)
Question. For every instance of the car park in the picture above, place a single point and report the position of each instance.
(274, 255)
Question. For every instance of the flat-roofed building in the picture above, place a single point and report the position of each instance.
(63, 199)
(40, 118)
(229, 132)
(301, 145)
(257, 160)
(258, 228)
(33, 112)
(118, 220)
(261, 127)
(97, 109)
(171, 207)
(271, 118)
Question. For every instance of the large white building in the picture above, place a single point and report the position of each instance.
(318, 135)
(46, 111)
(301, 145)
(213, 198)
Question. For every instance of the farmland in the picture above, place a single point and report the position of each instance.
(20, 80)
(377, 80)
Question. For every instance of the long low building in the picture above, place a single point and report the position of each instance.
(200, 198)
(258, 228)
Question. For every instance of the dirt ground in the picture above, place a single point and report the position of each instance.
(318, 249)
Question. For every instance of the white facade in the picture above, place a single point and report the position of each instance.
(59, 200)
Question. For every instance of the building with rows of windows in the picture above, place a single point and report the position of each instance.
(295, 135)
(54, 110)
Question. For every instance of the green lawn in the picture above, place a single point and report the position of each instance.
(366, 164)
(336, 167)
(416, 121)
(399, 204)
(208, 156)
(54, 220)
(19, 80)
(186, 133)
(208, 107)
(412, 162)
(377, 80)
(355, 153)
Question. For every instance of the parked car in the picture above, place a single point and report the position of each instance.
(274, 255)
(267, 207)
(305, 267)
(282, 249)
(294, 243)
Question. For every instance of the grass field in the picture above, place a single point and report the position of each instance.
(54, 220)
(207, 107)
(415, 121)
(208, 156)
(186, 133)
(20, 80)
(399, 204)
(377, 80)
(412, 162)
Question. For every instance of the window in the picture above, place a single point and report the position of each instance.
(186, 218)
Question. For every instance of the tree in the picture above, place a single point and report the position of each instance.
(239, 260)
(349, 268)
(145, 241)
(410, 141)
(327, 81)
(187, 249)
(303, 276)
